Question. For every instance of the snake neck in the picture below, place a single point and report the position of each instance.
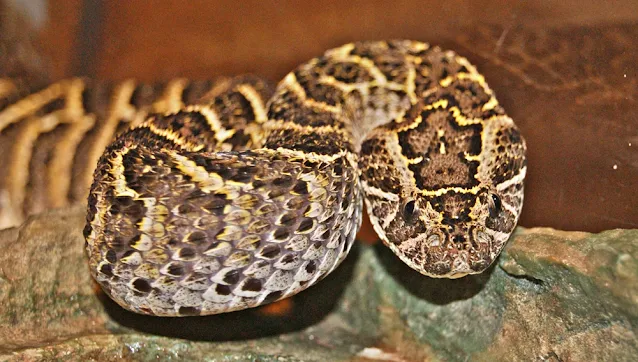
(341, 98)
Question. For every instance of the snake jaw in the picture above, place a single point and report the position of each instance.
(455, 234)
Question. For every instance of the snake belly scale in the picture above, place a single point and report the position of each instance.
(232, 202)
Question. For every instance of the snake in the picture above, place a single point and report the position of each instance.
(248, 194)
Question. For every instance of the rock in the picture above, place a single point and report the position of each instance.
(556, 296)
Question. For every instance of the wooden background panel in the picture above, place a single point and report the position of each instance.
(167, 38)
(59, 35)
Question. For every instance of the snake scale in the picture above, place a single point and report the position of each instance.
(222, 196)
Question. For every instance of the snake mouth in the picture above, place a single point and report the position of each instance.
(441, 253)
(461, 268)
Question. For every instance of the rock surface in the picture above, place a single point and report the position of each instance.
(552, 296)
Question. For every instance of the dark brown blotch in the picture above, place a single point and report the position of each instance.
(287, 219)
(232, 276)
(142, 285)
(270, 251)
(216, 205)
(252, 285)
(276, 192)
(345, 203)
(111, 257)
(92, 205)
(288, 259)
(187, 254)
(305, 225)
(243, 175)
(107, 270)
(301, 188)
(281, 234)
(222, 289)
(175, 269)
(259, 184)
(185, 209)
(197, 237)
(87, 230)
(311, 267)
(295, 203)
(196, 194)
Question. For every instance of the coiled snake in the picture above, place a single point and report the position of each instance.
(228, 204)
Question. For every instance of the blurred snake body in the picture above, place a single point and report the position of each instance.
(242, 196)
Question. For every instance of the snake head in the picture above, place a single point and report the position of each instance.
(447, 225)
(451, 235)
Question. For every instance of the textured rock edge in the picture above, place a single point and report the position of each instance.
(553, 295)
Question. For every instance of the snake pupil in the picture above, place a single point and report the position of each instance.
(409, 210)
(495, 209)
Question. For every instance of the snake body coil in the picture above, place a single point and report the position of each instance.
(203, 211)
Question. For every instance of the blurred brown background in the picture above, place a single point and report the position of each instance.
(565, 71)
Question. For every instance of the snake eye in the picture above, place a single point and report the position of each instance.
(409, 211)
(495, 206)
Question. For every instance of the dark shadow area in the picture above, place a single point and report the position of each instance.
(437, 291)
(308, 308)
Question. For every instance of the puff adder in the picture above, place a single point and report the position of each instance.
(198, 211)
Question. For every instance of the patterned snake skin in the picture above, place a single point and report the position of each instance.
(229, 203)
(52, 138)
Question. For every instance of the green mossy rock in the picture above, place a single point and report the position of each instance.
(554, 296)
